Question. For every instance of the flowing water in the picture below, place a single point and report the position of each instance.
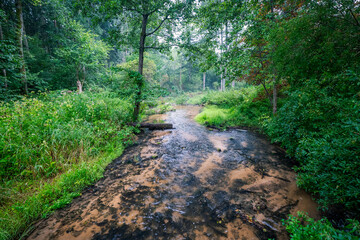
(186, 183)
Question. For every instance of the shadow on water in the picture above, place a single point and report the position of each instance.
(187, 183)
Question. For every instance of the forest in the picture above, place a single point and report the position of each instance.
(78, 77)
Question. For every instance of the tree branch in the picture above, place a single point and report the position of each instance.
(352, 14)
(161, 23)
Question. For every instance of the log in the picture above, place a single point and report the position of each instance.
(155, 126)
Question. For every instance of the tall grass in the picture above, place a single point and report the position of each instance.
(53, 146)
(39, 137)
(213, 116)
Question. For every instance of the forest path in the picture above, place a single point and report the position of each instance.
(186, 183)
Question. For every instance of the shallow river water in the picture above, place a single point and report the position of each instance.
(186, 183)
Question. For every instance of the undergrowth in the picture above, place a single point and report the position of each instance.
(235, 107)
(158, 106)
(51, 147)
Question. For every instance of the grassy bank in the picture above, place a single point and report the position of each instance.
(51, 148)
(319, 126)
(246, 106)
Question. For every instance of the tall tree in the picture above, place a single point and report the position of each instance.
(20, 35)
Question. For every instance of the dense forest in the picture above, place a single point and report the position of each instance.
(77, 76)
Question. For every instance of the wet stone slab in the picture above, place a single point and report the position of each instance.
(186, 183)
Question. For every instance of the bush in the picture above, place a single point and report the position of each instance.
(180, 100)
(320, 126)
(229, 98)
(233, 108)
(303, 227)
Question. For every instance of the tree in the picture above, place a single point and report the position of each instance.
(148, 18)
(83, 52)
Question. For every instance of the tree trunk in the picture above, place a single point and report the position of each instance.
(3, 70)
(274, 102)
(141, 67)
(274, 98)
(20, 27)
(84, 77)
(190, 75)
(221, 82)
(180, 83)
(79, 86)
(221, 52)
(78, 82)
(204, 80)
(267, 92)
(224, 79)
(26, 44)
(233, 84)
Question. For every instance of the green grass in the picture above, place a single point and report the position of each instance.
(232, 108)
(51, 147)
(213, 116)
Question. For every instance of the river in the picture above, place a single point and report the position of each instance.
(186, 183)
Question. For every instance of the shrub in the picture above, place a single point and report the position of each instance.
(320, 126)
(233, 108)
(303, 227)
(180, 100)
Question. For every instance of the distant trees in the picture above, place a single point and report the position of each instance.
(56, 52)
(268, 42)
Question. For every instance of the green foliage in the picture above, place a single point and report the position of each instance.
(58, 51)
(82, 54)
(315, 41)
(40, 136)
(227, 98)
(181, 99)
(17, 218)
(149, 67)
(232, 107)
(320, 126)
(157, 107)
(9, 60)
(303, 227)
(66, 137)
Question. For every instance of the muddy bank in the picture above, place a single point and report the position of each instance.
(186, 183)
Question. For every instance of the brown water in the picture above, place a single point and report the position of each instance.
(186, 183)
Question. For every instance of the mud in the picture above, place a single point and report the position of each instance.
(187, 183)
